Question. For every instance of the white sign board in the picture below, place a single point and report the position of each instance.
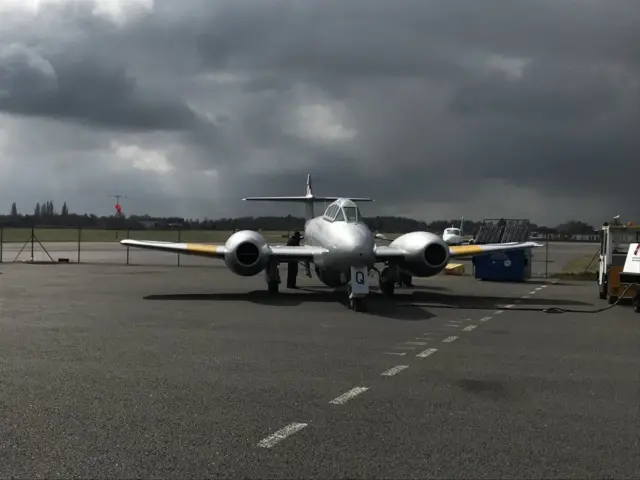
(632, 263)
(359, 281)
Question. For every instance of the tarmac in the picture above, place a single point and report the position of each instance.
(152, 371)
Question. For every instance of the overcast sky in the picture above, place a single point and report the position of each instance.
(443, 108)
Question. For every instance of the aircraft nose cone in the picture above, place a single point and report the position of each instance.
(359, 244)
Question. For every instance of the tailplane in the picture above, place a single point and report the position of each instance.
(308, 199)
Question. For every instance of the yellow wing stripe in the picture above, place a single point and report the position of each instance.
(201, 248)
(466, 249)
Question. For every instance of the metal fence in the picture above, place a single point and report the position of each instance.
(100, 246)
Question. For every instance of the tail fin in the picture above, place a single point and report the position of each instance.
(308, 199)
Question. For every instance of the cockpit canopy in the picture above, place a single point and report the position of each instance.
(343, 210)
(452, 231)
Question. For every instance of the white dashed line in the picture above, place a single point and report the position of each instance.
(526, 296)
(427, 352)
(538, 289)
(416, 343)
(400, 354)
(485, 319)
(392, 371)
(532, 292)
(405, 348)
(345, 397)
(470, 327)
(423, 338)
(449, 339)
(498, 312)
(509, 306)
(280, 435)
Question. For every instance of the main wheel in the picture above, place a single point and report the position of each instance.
(357, 304)
(387, 286)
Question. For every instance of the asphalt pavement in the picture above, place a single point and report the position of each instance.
(147, 371)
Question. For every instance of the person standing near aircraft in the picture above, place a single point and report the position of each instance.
(292, 270)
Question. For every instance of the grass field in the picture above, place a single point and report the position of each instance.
(585, 267)
(49, 235)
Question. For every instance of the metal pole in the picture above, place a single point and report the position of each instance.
(179, 240)
(1, 242)
(79, 241)
(128, 236)
(33, 236)
(546, 260)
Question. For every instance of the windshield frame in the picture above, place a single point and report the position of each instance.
(351, 214)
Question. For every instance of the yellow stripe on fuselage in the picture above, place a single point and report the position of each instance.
(466, 249)
(202, 248)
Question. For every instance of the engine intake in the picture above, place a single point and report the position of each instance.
(247, 253)
(435, 254)
(428, 254)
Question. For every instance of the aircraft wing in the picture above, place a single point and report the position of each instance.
(199, 249)
(279, 252)
(386, 253)
(461, 251)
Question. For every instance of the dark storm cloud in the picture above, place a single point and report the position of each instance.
(91, 90)
(517, 123)
(443, 96)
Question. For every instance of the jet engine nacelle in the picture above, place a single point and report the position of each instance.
(247, 253)
(428, 254)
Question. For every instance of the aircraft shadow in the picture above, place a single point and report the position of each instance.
(377, 305)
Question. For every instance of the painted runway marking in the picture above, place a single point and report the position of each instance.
(427, 352)
(533, 292)
(470, 327)
(424, 338)
(416, 343)
(509, 306)
(392, 371)
(485, 319)
(280, 435)
(400, 354)
(526, 296)
(405, 348)
(345, 397)
(538, 289)
(449, 339)
(498, 312)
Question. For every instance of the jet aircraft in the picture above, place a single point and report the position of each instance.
(339, 245)
(453, 235)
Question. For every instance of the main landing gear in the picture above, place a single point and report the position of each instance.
(387, 280)
(272, 275)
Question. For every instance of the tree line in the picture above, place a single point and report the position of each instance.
(45, 214)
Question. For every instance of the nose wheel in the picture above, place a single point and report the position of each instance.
(356, 303)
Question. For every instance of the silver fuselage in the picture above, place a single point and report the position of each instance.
(347, 244)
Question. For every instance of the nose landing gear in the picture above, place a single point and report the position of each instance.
(358, 288)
